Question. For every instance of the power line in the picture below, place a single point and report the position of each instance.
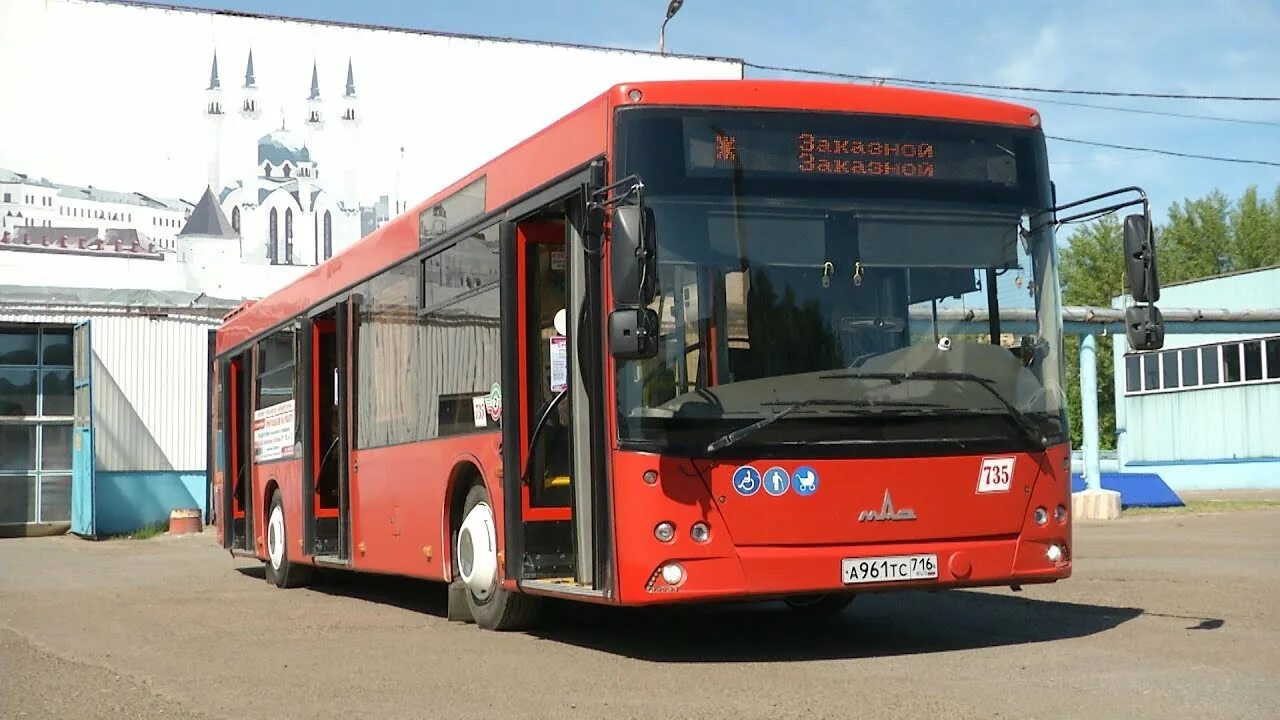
(1019, 88)
(1160, 151)
(1116, 108)
(1157, 151)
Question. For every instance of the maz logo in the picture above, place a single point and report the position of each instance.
(887, 512)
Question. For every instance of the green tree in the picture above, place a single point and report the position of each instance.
(1092, 274)
(1255, 236)
(1196, 243)
(1204, 237)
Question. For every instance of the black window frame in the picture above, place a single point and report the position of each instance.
(1225, 363)
(455, 212)
(40, 428)
(259, 372)
(1170, 374)
(1189, 374)
(450, 401)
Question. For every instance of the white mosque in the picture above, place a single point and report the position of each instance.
(285, 209)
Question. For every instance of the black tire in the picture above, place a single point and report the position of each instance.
(502, 610)
(286, 574)
(819, 605)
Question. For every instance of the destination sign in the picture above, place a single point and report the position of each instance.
(803, 151)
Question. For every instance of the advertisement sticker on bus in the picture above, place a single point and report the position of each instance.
(273, 432)
(493, 402)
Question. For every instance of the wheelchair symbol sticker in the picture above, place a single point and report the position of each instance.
(746, 480)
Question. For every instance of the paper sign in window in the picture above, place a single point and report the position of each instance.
(559, 363)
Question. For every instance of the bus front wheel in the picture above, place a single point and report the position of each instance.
(476, 564)
(280, 572)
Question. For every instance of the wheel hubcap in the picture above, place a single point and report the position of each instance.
(275, 537)
(477, 552)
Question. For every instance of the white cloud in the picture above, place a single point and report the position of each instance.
(1037, 62)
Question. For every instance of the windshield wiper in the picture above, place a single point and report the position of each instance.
(742, 432)
(1024, 423)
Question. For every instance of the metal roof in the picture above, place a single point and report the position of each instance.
(93, 194)
(9, 176)
(111, 242)
(207, 219)
(1220, 276)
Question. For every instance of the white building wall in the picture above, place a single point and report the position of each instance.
(1213, 435)
(150, 381)
(47, 207)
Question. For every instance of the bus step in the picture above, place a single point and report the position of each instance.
(560, 586)
(331, 560)
(548, 566)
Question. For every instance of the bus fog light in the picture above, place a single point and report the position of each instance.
(672, 574)
(1060, 514)
(1054, 553)
(650, 477)
(1041, 516)
(700, 532)
(665, 532)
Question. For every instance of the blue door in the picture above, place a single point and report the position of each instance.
(82, 465)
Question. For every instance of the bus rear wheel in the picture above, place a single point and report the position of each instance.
(279, 571)
(820, 604)
(475, 560)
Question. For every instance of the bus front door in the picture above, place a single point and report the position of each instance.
(554, 449)
(547, 497)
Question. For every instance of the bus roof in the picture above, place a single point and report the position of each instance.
(826, 97)
(574, 140)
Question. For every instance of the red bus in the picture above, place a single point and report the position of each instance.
(679, 346)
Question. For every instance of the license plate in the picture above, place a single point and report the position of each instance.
(888, 568)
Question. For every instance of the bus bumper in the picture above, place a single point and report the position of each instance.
(766, 572)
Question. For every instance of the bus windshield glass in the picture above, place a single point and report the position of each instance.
(890, 283)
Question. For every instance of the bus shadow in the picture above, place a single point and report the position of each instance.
(406, 593)
(875, 625)
(889, 624)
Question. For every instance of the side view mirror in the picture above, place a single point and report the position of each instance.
(633, 333)
(1140, 259)
(1144, 327)
(633, 255)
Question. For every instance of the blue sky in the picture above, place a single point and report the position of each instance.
(1228, 47)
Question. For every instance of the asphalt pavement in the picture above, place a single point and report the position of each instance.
(1167, 616)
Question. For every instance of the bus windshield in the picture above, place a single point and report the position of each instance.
(817, 265)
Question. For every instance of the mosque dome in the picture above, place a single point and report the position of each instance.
(281, 146)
